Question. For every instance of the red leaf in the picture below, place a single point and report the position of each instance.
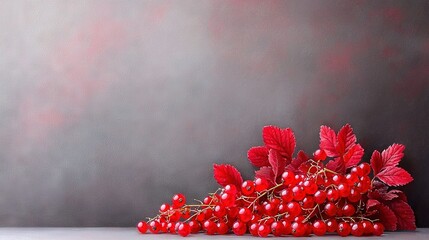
(387, 217)
(328, 140)
(353, 156)
(258, 156)
(372, 203)
(392, 155)
(282, 140)
(296, 162)
(277, 163)
(405, 215)
(388, 196)
(226, 174)
(400, 194)
(376, 162)
(346, 139)
(336, 165)
(394, 176)
(265, 172)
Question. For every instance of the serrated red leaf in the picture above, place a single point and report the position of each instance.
(282, 140)
(277, 163)
(226, 174)
(401, 195)
(336, 165)
(404, 214)
(258, 156)
(392, 155)
(394, 176)
(387, 217)
(353, 156)
(372, 203)
(328, 139)
(296, 162)
(376, 162)
(266, 173)
(345, 139)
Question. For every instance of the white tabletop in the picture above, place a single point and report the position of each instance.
(131, 234)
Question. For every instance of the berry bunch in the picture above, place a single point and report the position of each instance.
(298, 196)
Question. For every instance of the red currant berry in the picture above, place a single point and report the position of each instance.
(154, 227)
(287, 227)
(142, 227)
(357, 171)
(319, 227)
(239, 228)
(264, 230)
(286, 195)
(164, 208)
(261, 184)
(184, 230)
(244, 215)
(332, 195)
(210, 227)
(343, 189)
(231, 189)
(308, 202)
(175, 215)
(298, 229)
(253, 229)
(222, 228)
(366, 169)
(195, 226)
(337, 179)
(298, 193)
(294, 209)
(320, 196)
(343, 229)
(288, 178)
(282, 208)
(227, 199)
(330, 209)
(331, 225)
(164, 226)
(277, 228)
(378, 229)
(178, 200)
(270, 209)
(232, 212)
(310, 187)
(368, 227)
(171, 227)
(219, 211)
(354, 195)
(319, 155)
(248, 188)
(351, 178)
(357, 229)
(348, 210)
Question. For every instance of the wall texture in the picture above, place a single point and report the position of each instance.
(108, 108)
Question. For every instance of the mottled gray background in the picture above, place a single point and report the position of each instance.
(108, 108)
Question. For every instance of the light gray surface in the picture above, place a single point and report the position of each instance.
(131, 233)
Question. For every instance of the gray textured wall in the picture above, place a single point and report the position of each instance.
(108, 108)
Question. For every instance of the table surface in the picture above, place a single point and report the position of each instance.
(131, 233)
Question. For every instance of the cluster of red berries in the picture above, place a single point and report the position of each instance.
(319, 202)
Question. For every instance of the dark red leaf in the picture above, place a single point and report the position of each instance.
(226, 174)
(401, 195)
(394, 176)
(258, 156)
(353, 156)
(387, 217)
(345, 139)
(379, 186)
(277, 163)
(404, 214)
(296, 162)
(392, 155)
(376, 162)
(282, 140)
(328, 139)
(372, 203)
(266, 173)
(336, 165)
